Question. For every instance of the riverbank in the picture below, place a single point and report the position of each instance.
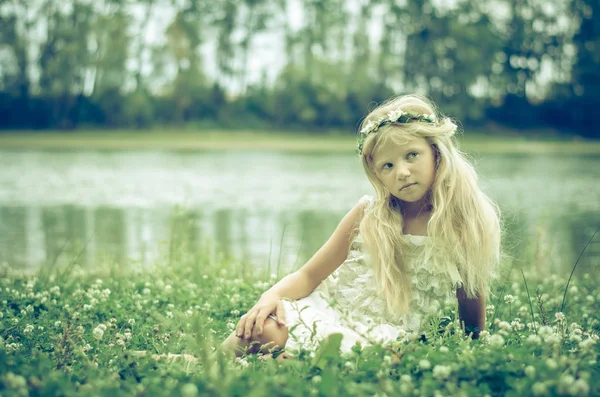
(252, 140)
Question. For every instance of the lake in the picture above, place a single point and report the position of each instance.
(267, 208)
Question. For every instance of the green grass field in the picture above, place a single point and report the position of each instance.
(334, 142)
(73, 331)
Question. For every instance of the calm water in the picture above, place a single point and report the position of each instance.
(264, 207)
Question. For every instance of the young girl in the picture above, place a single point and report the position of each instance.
(429, 235)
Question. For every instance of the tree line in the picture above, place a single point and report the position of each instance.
(82, 63)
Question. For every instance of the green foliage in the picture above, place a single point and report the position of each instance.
(110, 330)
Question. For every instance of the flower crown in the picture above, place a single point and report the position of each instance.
(395, 116)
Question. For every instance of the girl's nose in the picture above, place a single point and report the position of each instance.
(402, 172)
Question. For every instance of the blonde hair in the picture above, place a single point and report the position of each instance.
(464, 226)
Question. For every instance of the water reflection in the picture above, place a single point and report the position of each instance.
(34, 236)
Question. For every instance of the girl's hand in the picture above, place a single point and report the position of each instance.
(254, 320)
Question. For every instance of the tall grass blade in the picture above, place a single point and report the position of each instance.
(562, 306)
(529, 299)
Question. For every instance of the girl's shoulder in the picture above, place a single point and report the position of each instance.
(366, 201)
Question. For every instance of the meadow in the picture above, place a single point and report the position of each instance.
(129, 330)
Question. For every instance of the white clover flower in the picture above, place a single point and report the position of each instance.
(146, 291)
(189, 312)
(539, 389)
(14, 321)
(235, 312)
(424, 364)
(28, 329)
(530, 371)
(587, 343)
(168, 287)
(444, 349)
(552, 339)
(484, 335)
(579, 388)
(509, 298)
(170, 305)
(120, 342)
(169, 314)
(560, 317)
(406, 378)
(189, 390)
(575, 338)
(496, 340)
(505, 326)
(534, 339)
(87, 307)
(551, 363)
(545, 331)
(441, 372)
(565, 382)
(98, 333)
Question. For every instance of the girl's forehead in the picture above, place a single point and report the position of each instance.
(392, 146)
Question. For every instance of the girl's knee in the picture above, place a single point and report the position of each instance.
(275, 333)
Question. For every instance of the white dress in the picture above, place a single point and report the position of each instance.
(348, 301)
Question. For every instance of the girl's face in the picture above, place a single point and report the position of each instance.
(408, 170)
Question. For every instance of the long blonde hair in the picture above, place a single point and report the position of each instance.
(464, 226)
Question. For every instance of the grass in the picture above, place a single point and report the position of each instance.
(75, 331)
(281, 141)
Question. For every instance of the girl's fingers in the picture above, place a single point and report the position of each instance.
(239, 330)
(249, 325)
(280, 314)
(260, 322)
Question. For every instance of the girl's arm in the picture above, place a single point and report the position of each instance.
(302, 282)
(328, 258)
(471, 312)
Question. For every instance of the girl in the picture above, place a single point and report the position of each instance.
(429, 235)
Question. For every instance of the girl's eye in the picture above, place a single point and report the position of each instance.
(387, 166)
(412, 155)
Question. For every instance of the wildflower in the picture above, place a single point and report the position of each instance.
(539, 389)
(189, 390)
(235, 312)
(102, 327)
(483, 335)
(146, 291)
(169, 314)
(587, 343)
(120, 342)
(551, 363)
(530, 371)
(534, 339)
(28, 329)
(505, 326)
(168, 288)
(424, 364)
(565, 383)
(579, 388)
(444, 349)
(441, 372)
(15, 321)
(131, 321)
(560, 317)
(509, 299)
(57, 323)
(575, 337)
(496, 340)
(189, 312)
(98, 333)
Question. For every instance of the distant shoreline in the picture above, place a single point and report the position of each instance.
(248, 140)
